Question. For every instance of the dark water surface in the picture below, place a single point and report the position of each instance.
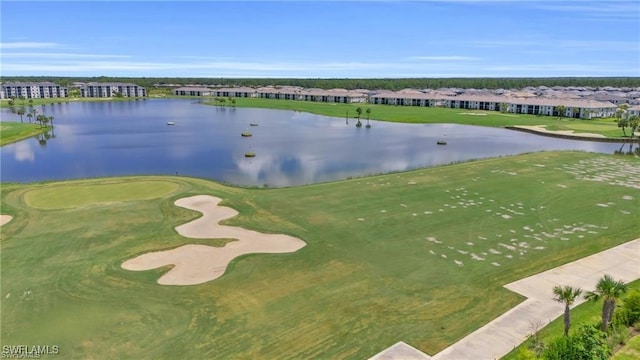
(96, 139)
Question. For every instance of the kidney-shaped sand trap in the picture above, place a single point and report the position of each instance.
(196, 264)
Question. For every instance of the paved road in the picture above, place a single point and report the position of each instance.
(510, 329)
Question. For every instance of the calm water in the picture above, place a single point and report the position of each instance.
(133, 138)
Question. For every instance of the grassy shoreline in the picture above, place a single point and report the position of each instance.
(11, 131)
(4, 103)
(61, 259)
(425, 115)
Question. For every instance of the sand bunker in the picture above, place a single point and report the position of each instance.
(542, 129)
(5, 219)
(197, 264)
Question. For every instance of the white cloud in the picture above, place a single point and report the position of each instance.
(80, 66)
(59, 55)
(592, 45)
(28, 45)
(444, 58)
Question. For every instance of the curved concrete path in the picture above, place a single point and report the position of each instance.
(500, 336)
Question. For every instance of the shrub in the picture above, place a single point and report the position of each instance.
(632, 305)
(588, 343)
(619, 335)
(525, 354)
(620, 318)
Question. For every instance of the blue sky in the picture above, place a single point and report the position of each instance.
(321, 39)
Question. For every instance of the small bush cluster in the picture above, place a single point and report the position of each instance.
(589, 341)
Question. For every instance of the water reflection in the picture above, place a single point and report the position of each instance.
(93, 139)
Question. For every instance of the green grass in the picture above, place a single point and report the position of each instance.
(358, 286)
(586, 313)
(46, 101)
(631, 351)
(11, 132)
(415, 114)
(606, 127)
(70, 195)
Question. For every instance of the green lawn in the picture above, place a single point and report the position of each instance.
(46, 101)
(415, 114)
(631, 351)
(606, 127)
(388, 258)
(11, 131)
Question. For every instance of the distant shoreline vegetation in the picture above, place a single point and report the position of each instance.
(348, 83)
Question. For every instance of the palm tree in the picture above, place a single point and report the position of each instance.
(359, 111)
(561, 110)
(368, 115)
(20, 112)
(634, 122)
(609, 291)
(34, 113)
(50, 118)
(40, 119)
(29, 115)
(566, 295)
(622, 122)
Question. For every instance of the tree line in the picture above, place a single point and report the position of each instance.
(393, 84)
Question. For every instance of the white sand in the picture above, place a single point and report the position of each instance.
(5, 219)
(561, 132)
(197, 264)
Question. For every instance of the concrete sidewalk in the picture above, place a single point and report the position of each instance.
(510, 329)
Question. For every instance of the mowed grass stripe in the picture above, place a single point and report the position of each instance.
(358, 286)
(70, 196)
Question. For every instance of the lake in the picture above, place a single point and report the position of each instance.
(97, 139)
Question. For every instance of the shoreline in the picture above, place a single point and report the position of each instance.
(570, 135)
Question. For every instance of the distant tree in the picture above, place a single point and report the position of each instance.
(20, 112)
(566, 295)
(359, 112)
(50, 119)
(560, 110)
(368, 115)
(233, 102)
(34, 114)
(40, 119)
(575, 111)
(30, 116)
(609, 291)
(504, 107)
(634, 123)
(623, 123)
